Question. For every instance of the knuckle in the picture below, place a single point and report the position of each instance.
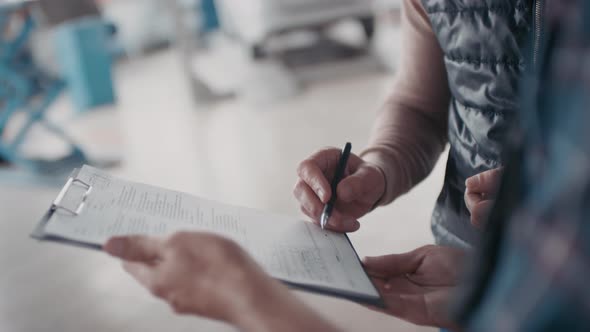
(304, 210)
(223, 247)
(177, 238)
(307, 173)
(297, 189)
(306, 200)
(315, 210)
(159, 289)
(327, 151)
(178, 305)
(224, 244)
(179, 242)
(180, 308)
(303, 168)
(481, 177)
(468, 202)
(427, 249)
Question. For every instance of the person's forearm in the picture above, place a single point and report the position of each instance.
(279, 310)
(405, 144)
(410, 130)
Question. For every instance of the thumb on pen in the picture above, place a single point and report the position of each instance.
(355, 186)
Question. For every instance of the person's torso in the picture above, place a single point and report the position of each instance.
(530, 271)
(482, 42)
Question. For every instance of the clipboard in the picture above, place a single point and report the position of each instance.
(79, 205)
(39, 233)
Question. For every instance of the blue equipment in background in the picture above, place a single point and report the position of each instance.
(209, 16)
(26, 89)
(85, 58)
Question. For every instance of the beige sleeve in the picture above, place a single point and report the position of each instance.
(410, 130)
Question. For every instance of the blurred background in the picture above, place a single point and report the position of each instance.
(217, 98)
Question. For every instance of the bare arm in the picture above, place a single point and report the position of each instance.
(280, 310)
(410, 130)
(407, 138)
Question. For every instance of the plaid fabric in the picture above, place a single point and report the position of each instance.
(534, 266)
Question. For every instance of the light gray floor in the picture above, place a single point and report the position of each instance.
(233, 152)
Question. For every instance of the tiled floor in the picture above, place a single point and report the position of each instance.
(235, 152)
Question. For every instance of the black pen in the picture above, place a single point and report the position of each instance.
(335, 180)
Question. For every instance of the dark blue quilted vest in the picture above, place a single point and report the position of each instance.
(482, 41)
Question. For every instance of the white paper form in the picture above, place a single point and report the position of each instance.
(287, 248)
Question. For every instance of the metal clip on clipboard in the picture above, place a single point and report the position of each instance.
(57, 204)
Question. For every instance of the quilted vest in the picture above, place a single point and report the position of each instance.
(482, 42)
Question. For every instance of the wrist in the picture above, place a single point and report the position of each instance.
(248, 302)
(275, 308)
(396, 180)
(262, 310)
(252, 309)
(383, 189)
(373, 159)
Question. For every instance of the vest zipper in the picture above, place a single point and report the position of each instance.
(538, 27)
